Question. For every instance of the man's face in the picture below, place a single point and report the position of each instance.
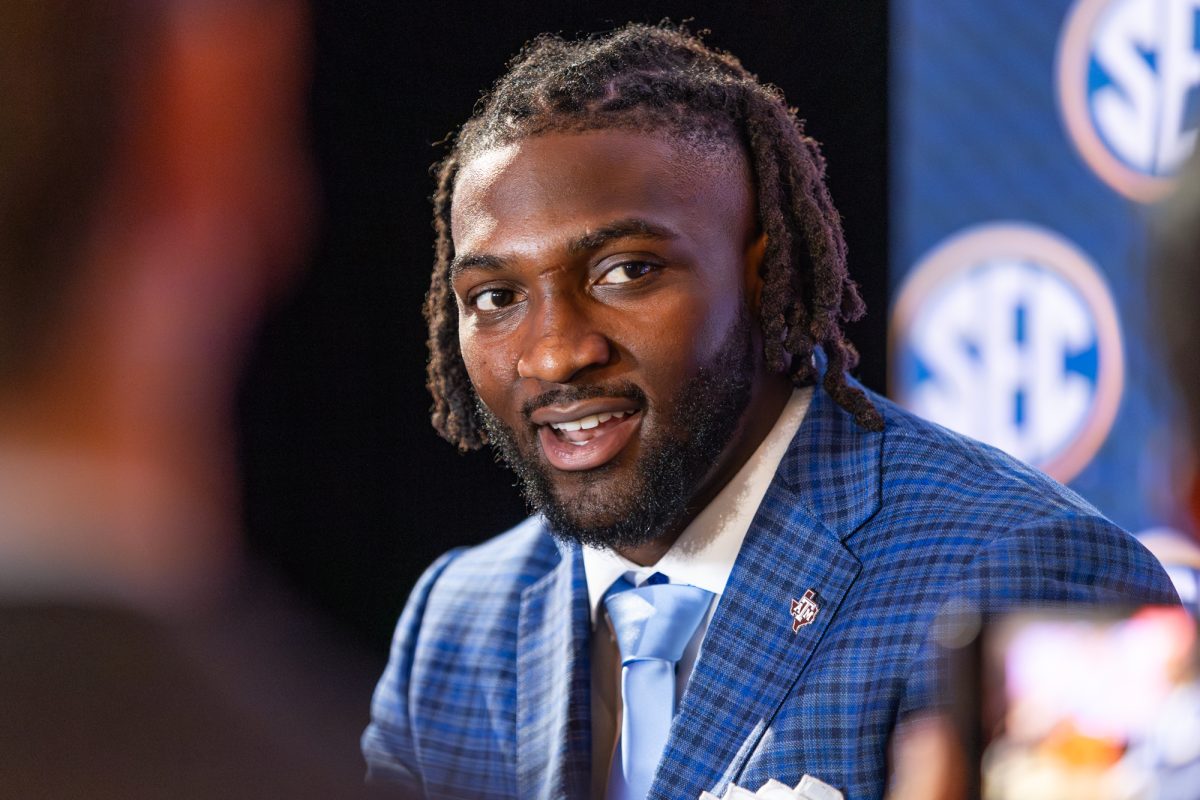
(603, 282)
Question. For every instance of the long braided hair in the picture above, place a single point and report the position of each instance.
(657, 78)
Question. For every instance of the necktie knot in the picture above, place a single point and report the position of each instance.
(657, 620)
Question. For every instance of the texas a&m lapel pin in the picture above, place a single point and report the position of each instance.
(804, 610)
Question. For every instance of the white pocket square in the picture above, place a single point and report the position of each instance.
(809, 788)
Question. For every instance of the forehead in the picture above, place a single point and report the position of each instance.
(582, 178)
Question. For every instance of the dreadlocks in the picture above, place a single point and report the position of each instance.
(645, 77)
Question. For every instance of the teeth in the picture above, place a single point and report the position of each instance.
(588, 422)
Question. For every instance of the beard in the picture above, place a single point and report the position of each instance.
(615, 511)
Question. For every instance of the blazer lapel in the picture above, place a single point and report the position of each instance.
(553, 683)
(826, 487)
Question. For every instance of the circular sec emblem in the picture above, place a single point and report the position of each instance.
(1007, 332)
(1129, 89)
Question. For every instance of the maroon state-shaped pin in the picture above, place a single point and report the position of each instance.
(804, 610)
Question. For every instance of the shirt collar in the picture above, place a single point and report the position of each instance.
(704, 553)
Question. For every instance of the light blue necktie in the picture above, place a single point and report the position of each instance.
(653, 625)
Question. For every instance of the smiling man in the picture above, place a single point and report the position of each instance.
(737, 554)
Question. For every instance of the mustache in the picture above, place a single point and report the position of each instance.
(571, 394)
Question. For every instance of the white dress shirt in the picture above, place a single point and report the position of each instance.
(702, 556)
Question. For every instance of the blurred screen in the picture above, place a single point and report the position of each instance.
(1079, 705)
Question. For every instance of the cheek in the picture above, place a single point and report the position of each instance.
(487, 366)
(677, 339)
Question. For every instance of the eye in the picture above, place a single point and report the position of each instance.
(629, 271)
(493, 299)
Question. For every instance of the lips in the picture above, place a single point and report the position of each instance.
(586, 435)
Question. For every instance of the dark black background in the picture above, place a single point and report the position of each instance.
(348, 491)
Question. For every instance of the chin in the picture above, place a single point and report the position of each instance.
(607, 529)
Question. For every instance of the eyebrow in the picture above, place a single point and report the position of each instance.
(632, 228)
(476, 261)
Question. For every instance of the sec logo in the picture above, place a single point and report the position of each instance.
(1129, 89)
(1006, 332)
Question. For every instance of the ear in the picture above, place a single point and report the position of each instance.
(752, 278)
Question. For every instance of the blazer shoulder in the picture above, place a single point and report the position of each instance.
(968, 504)
(919, 453)
(504, 564)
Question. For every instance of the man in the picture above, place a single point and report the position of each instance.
(153, 187)
(638, 300)
(1174, 286)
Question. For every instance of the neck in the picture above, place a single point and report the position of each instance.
(137, 506)
(125, 526)
(117, 454)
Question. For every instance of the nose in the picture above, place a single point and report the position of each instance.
(561, 341)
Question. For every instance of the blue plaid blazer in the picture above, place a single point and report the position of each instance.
(487, 691)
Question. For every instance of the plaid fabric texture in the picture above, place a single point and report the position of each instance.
(487, 691)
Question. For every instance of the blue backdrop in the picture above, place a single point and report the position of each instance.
(1029, 141)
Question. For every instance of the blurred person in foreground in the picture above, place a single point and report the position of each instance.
(153, 189)
(1174, 280)
(737, 552)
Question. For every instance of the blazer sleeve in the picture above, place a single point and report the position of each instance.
(1070, 558)
(388, 742)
